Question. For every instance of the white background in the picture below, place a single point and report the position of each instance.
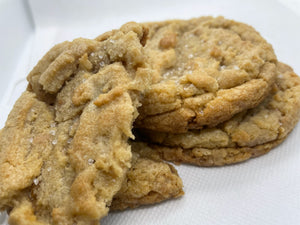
(265, 190)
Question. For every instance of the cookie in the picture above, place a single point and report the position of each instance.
(64, 150)
(205, 71)
(246, 135)
(149, 181)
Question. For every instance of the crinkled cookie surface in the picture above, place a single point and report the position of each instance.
(205, 71)
(64, 154)
(248, 134)
(64, 148)
(149, 181)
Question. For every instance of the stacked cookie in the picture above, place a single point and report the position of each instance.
(221, 97)
(206, 91)
(248, 134)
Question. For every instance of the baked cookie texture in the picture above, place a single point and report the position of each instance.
(197, 89)
(205, 71)
(149, 181)
(64, 150)
(248, 134)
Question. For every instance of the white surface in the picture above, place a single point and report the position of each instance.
(15, 27)
(262, 191)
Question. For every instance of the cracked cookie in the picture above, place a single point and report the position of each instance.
(205, 71)
(248, 134)
(64, 150)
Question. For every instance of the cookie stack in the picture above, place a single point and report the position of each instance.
(222, 96)
(206, 91)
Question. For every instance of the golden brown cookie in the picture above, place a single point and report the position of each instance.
(248, 134)
(149, 181)
(205, 71)
(64, 149)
